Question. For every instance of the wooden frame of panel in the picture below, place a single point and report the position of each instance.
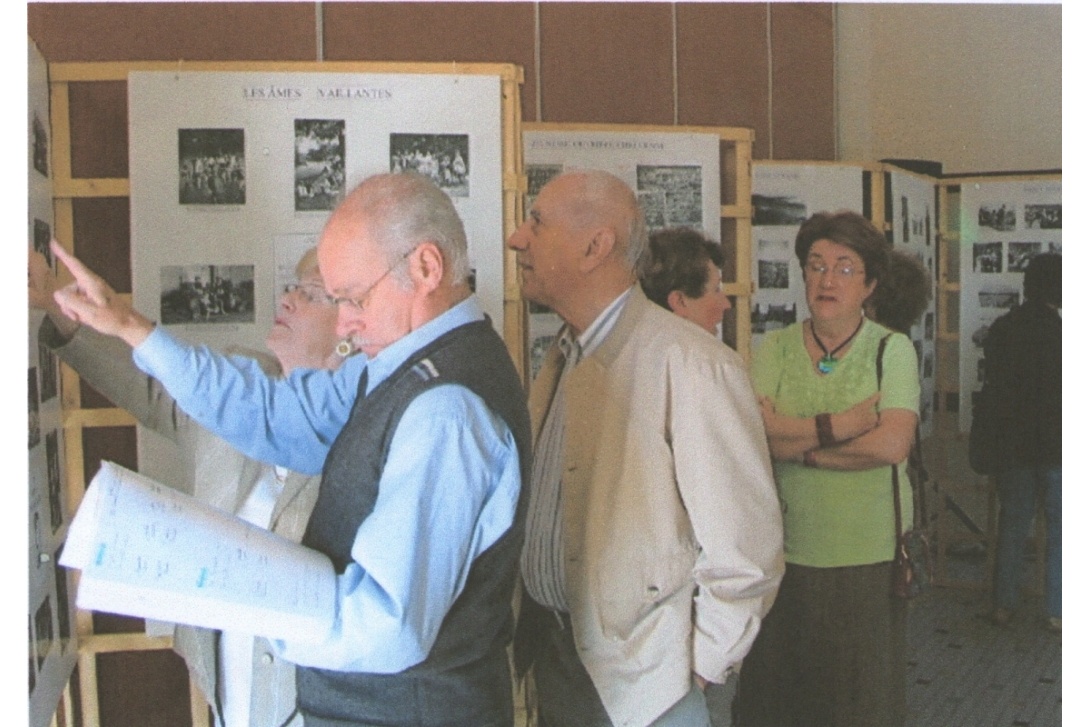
(735, 147)
(66, 189)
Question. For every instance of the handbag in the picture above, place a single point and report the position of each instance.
(913, 569)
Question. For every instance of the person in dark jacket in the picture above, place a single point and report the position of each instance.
(1022, 363)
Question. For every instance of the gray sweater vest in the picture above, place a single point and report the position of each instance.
(465, 678)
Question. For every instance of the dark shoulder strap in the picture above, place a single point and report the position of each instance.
(893, 467)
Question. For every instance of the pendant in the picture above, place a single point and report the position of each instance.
(826, 364)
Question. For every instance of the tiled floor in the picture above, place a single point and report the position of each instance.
(965, 672)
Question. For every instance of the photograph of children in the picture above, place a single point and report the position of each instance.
(319, 164)
(211, 166)
(1019, 254)
(778, 210)
(42, 236)
(43, 629)
(1043, 216)
(64, 626)
(443, 157)
(47, 365)
(671, 196)
(41, 146)
(772, 274)
(34, 419)
(999, 217)
(53, 471)
(206, 294)
(999, 298)
(987, 257)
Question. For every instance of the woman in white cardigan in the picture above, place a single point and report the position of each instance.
(244, 683)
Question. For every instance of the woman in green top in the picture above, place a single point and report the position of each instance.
(831, 650)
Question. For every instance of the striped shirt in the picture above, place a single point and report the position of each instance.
(543, 554)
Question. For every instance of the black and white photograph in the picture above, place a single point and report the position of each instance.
(206, 294)
(998, 298)
(767, 317)
(537, 176)
(1020, 253)
(999, 216)
(43, 630)
(64, 627)
(34, 418)
(211, 166)
(1043, 216)
(443, 157)
(929, 326)
(778, 210)
(47, 369)
(928, 366)
(53, 472)
(673, 195)
(319, 164)
(1054, 248)
(987, 257)
(41, 146)
(42, 236)
(773, 274)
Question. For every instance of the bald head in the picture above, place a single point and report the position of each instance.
(400, 211)
(597, 198)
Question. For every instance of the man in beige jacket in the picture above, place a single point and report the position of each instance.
(654, 541)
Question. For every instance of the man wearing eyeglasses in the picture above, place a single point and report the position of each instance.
(420, 506)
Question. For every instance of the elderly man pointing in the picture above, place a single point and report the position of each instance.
(423, 449)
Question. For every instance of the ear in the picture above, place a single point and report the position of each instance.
(676, 300)
(427, 266)
(598, 248)
(870, 289)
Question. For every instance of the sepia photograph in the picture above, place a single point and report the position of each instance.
(34, 419)
(773, 274)
(211, 166)
(206, 294)
(42, 236)
(1020, 253)
(53, 470)
(999, 217)
(1043, 216)
(442, 157)
(998, 298)
(671, 196)
(778, 210)
(767, 317)
(47, 368)
(988, 257)
(41, 146)
(319, 164)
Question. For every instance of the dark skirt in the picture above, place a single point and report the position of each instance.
(830, 653)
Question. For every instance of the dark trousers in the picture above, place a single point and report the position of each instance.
(830, 653)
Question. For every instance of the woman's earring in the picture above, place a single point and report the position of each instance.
(344, 348)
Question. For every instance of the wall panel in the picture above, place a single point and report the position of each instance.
(607, 63)
(803, 105)
(465, 32)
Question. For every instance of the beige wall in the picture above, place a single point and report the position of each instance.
(976, 87)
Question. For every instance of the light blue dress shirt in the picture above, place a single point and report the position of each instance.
(448, 491)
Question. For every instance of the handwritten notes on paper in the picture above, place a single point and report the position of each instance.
(150, 551)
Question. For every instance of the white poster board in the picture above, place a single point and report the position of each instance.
(1003, 225)
(233, 174)
(784, 196)
(915, 226)
(50, 618)
(675, 176)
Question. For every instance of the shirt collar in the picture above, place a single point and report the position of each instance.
(390, 358)
(596, 332)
